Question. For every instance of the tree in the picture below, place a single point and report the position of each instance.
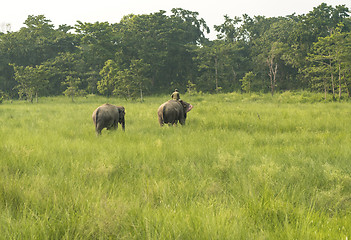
(39, 41)
(272, 58)
(191, 25)
(247, 81)
(63, 65)
(33, 45)
(140, 71)
(318, 23)
(330, 57)
(207, 62)
(98, 43)
(7, 82)
(321, 66)
(72, 89)
(31, 80)
(191, 88)
(341, 54)
(106, 85)
(229, 31)
(163, 42)
(127, 82)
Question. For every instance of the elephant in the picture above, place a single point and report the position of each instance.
(108, 116)
(173, 111)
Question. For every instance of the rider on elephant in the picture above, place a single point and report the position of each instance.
(175, 95)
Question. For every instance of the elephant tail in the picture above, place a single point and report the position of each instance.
(163, 113)
(96, 117)
(160, 113)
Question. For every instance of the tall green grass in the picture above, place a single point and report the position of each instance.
(243, 167)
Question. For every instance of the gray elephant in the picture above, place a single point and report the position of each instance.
(173, 111)
(108, 116)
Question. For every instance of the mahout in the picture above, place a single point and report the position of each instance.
(108, 116)
(173, 111)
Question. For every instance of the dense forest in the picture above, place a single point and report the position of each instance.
(155, 53)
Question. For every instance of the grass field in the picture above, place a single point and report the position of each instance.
(243, 167)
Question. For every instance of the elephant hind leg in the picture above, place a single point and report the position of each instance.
(98, 129)
(115, 125)
(161, 119)
(161, 122)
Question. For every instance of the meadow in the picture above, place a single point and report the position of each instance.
(243, 167)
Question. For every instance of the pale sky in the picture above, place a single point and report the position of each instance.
(15, 12)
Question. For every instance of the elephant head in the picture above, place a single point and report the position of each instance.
(122, 113)
(187, 106)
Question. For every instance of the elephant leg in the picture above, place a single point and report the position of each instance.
(98, 129)
(115, 125)
(98, 132)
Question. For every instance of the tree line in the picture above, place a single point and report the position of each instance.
(155, 53)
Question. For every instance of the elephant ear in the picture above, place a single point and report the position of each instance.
(184, 104)
(189, 108)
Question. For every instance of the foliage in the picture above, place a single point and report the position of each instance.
(191, 88)
(73, 87)
(330, 61)
(284, 53)
(128, 82)
(1, 97)
(247, 82)
(31, 80)
(108, 74)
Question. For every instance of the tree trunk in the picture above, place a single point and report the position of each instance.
(347, 87)
(216, 72)
(332, 79)
(234, 75)
(272, 74)
(339, 82)
(325, 89)
(141, 93)
(30, 97)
